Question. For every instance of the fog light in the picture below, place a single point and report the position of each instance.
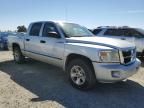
(115, 74)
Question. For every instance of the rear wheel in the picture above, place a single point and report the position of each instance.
(18, 57)
(81, 74)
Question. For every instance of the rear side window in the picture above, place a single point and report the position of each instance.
(35, 29)
(132, 33)
(114, 32)
(96, 31)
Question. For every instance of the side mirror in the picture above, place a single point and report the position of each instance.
(53, 34)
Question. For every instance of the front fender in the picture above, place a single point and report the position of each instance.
(87, 50)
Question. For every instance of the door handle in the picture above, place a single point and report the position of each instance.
(42, 41)
(27, 39)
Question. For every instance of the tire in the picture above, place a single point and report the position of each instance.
(18, 57)
(81, 74)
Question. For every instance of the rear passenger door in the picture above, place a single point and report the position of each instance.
(32, 45)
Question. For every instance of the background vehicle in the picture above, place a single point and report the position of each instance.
(133, 35)
(3, 40)
(85, 58)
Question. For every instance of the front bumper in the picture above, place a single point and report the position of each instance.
(104, 71)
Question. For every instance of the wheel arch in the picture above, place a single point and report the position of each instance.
(15, 45)
(78, 56)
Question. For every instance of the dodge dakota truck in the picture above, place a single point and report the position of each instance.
(86, 59)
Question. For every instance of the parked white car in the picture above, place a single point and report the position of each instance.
(133, 35)
(85, 58)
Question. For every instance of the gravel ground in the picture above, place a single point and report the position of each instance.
(39, 85)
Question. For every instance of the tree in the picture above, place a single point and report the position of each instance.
(21, 28)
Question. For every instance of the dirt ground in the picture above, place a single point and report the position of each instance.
(39, 85)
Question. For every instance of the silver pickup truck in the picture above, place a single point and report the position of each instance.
(85, 58)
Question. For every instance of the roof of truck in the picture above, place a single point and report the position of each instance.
(54, 21)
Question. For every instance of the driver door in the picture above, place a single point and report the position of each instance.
(51, 45)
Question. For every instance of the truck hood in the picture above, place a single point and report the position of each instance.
(103, 41)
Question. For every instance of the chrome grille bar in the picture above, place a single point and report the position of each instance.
(127, 56)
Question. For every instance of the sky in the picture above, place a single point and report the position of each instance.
(89, 13)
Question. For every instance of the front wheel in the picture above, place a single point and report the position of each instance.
(18, 57)
(81, 74)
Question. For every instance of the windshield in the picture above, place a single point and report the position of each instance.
(74, 30)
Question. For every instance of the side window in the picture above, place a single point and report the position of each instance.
(35, 29)
(127, 32)
(133, 33)
(110, 32)
(96, 31)
(114, 32)
(50, 30)
(119, 32)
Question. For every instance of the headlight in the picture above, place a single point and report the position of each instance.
(109, 56)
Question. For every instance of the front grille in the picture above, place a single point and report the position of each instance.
(128, 56)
